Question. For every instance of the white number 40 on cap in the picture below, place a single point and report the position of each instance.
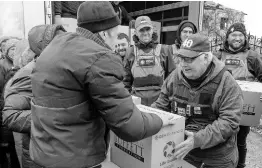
(188, 43)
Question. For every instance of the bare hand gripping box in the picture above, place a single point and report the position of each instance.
(252, 108)
(153, 152)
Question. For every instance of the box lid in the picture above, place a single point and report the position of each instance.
(147, 109)
(250, 86)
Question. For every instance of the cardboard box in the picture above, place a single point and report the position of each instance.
(152, 152)
(136, 100)
(252, 108)
(108, 164)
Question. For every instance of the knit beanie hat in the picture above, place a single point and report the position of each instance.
(236, 27)
(188, 24)
(8, 45)
(97, 16)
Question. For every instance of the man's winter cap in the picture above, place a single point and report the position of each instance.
(143, 21)
(189, 24)
(8, 45)
(236, 27)
(97, 16)
(194, 45)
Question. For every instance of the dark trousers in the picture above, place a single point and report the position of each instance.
(242, 145)
(8, 156)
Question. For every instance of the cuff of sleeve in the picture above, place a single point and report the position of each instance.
(197, 140)
(156, 123)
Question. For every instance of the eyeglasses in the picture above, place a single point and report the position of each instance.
(188, 60)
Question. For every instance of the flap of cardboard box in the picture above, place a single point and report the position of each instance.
(250, 86)
(147, 109)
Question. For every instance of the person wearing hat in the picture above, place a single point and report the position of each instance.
(245, 64)
(3, 41)
(202, 90)
(7, 143)
(17, 95)
(6, 64)
(79, 95)
(184, 30)
(147, 63)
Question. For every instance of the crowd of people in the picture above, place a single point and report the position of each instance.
(61, 92)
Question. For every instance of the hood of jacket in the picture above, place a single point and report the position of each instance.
(141, 45)
(178, 41)
(40, 36)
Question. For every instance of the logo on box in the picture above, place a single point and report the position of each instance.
(133, 149)
(169, 149)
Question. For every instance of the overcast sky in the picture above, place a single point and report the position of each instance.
(253, 9)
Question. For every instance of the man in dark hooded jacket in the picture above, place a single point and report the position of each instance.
(18, 91)
(148, 63)
(185, 29)
(245, 64)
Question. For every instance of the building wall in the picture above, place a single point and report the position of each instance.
(18, 17)
(217, 19)
(168, 13)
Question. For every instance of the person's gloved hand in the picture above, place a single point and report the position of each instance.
(183, 148)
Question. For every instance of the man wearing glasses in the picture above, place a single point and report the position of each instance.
(204, 92)
(147, 63)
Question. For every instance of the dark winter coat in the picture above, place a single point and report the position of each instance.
(76, 96)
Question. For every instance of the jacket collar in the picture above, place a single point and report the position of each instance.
(89, 35)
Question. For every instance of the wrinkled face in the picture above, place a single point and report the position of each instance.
(185, 33)
(236, 40)
(111, 37)
(193, 68)
(145, 34)
(122, 46)
(11, 52)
